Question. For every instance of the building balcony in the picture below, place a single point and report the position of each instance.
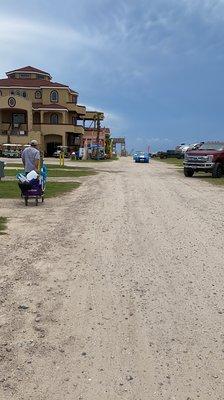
(93, 115)
(80, 110)
(51, 129)
(6, 129)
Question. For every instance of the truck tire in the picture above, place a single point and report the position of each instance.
(217, 171)
(188, 172)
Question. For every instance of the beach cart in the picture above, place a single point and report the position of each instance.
(35, 188)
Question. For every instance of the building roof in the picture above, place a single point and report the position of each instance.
(28, 68)
(38, 106)
(31, 83)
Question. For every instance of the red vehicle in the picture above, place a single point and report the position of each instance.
(209, 157)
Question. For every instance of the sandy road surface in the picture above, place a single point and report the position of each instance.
(123, 280)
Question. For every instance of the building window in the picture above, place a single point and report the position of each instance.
(38, 94)
(38, 76)
(54, 96)
(54, 119)
(24, 76)
(74, 120)
(74, 99)
(0, 93)
(24, 94)
(12, 92)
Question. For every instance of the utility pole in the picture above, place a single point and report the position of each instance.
(98, 136)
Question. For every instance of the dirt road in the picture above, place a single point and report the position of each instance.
(115, 291)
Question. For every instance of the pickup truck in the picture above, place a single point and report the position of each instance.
(170, 154)
(209, 157)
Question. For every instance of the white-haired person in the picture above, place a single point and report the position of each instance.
(31, 157)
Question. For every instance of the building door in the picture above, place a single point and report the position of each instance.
(52, 147)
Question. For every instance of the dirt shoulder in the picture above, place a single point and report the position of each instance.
(114, 291)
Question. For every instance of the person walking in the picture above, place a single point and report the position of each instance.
(31, 157)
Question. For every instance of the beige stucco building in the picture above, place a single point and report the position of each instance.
(34, 107)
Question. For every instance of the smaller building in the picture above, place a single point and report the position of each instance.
(90, 137)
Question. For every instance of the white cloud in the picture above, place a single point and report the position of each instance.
(115, 121)
(18, 29)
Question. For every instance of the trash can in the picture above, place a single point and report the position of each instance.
(2, 169)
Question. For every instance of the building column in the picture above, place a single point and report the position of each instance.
(64, 117)
(30, 120)
(42, 117)
(64, 140)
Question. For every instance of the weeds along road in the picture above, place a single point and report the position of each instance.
(115, 291)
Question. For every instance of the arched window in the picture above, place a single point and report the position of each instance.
(54, 119)
(0, 93)
(38, 94)
(54, 96)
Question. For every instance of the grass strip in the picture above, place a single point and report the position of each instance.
(3, 221)
(207, 178)
(93, 160)
(56, 172)
(10, 189)
(170, 161)
(204, 177)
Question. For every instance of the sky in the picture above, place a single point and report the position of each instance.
(155, 67)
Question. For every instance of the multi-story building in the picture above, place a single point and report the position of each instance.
(34, 107)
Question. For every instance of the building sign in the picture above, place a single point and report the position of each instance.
(11, 102)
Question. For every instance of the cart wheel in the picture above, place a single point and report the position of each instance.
(26, 201)
(36, 202)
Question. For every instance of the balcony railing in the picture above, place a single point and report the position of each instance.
(6, 129)
(52, 128)
(13, 133)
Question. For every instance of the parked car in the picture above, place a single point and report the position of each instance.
(170, 154)
(209, 157)
(141, 156)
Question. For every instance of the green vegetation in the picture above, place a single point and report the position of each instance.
(207, 178)
(3, 221)
(10, 189)
(58, 188)
(57, 172)
(171, 161)
(97, 161)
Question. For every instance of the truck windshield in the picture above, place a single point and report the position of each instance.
(212, 146)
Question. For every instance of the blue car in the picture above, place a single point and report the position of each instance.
(141, 156)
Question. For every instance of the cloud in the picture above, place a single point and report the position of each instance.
(146, 62)
(24, 31)
(115, 121)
